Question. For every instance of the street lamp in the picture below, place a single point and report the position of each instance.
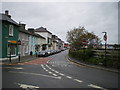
(105, 39)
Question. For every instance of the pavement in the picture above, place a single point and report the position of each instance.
(92, 66)
(22, 59)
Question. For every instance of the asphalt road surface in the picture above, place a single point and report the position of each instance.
(56, 72)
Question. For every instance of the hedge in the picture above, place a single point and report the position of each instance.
(86, 56)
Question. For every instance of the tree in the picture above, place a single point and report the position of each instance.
(77, 35)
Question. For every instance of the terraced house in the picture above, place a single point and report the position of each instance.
(47, 35)
(36, 41)
(9, 37)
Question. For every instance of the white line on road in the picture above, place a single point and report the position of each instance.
(13, 67)
(68, 77)
(95, 86)
(54, 74)
(78, 80)
(50, 72)
(27, 86)
(48, 67)
(61, 74)
(56, 71)
(53, 65)
(36, 74)
(44, 68)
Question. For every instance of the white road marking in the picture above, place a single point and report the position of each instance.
(48, 66)
(78, 80)
(53, 70)
(53, 65)
(48, 61)
(69, 77)
(13, 67)
(44, 68)
(36, 74)
(27, 86)
(55, 74)
(95, 86)
(50, 72)
(61, 74)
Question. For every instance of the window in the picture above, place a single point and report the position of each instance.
(11, 30)
(26, 48)
(12, 48)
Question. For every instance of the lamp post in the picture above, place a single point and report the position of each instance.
(105, 39)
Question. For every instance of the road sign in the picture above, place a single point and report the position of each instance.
(19, 42)
(105, 37)
(84, 42)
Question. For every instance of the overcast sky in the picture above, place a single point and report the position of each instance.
(59, 17)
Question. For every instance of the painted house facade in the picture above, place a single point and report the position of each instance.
(54, 42)
(24, 35)
(47, 35)
(9, 31)
(35, 41)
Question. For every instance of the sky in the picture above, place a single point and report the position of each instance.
(60, 17)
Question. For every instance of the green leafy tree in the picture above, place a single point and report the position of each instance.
(77, 35)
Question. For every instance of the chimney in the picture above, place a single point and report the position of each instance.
(22, 26)
(31, 30)
(7, 13)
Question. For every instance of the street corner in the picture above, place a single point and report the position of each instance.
(36, 61)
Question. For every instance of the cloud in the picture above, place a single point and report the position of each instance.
(59, 17)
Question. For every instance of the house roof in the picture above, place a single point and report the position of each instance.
(4, 17)
(42, 29)
(27, 32)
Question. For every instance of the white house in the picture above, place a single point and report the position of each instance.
(47, 35)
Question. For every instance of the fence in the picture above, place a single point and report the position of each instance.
(98, 57)
(110, 54)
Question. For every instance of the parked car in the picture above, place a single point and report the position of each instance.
(48, 52)
(42, 53)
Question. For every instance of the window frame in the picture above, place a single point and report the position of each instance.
(11, 28)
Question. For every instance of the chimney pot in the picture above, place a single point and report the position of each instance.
(6, 12)
(22, 26)
(31, 30)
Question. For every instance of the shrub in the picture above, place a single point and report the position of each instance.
(82, 55)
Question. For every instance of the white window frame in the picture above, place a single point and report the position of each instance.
(11, 30)
(8, 51)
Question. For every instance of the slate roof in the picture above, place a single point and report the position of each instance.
(42, 29)
(4, 17)
(27, 32)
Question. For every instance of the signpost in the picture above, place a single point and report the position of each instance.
(19, 43)
(10, 53)
(105, 39)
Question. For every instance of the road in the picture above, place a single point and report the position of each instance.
(56, 72)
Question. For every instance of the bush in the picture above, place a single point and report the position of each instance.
(86, 56)
(82, 55)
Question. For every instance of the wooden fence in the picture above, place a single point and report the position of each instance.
(110, 54)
